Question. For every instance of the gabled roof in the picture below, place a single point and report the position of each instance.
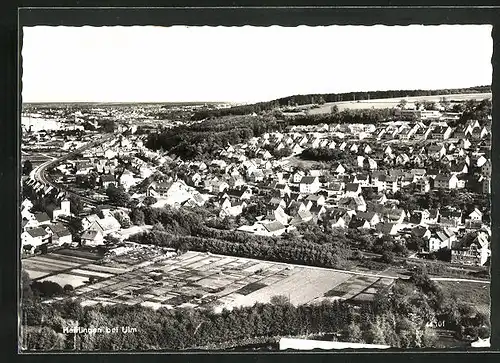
(107, 178)
(90, 234)
(37, 232)
(273, 226)
(352, 187)
(308, 179)
(42, 217)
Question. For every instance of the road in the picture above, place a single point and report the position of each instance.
(39, 173)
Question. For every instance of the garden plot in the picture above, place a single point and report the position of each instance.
(40, 266)
(213, 281)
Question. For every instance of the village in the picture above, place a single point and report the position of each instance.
(408, 152)
(82, 201)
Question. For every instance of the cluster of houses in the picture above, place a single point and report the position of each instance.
(234, 181)
(40, 229)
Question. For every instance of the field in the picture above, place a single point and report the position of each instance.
(197, 279)
(476, 294)
(76, 267)
(392, 102)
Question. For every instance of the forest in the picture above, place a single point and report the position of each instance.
(205, 139)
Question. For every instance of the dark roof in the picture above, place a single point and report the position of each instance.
(107, 178)
(273, 226)
(351, 187)
(308, 179)
(37, 232)
(42, 217)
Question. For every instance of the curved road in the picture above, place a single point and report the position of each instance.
(39, 173)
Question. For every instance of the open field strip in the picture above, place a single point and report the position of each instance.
(91, 273)
(73, 259)
(111, 270)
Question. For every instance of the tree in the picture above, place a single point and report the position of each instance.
(26, 292)
(137, 217)
(334, 109)
(27, 167)
(123, 219)
(117, 196)
(402, 104)
(445, 103)
(280, 300)
(75, 227)
(149, 200)
(388, 257)
(68, 288)
(76, 204)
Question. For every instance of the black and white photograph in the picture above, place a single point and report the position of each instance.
(216, 188)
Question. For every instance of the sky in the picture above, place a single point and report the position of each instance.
(247, 64)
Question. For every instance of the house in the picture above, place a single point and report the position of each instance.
(158, 188)
(33, 238)
(402, 159)
(387, 228)
(472, 251)
(459, 168)
(231, 208)
(359, 223)
(105, 225)
(352, 190)
(92, 238)
(486, 168)
(441, 133)
(339, 218)
(476, 215)
(301, 217)
(362, 179)
(423, 185)
(373, 218)
(445, 181)
(436, 151)
(239, 194)
(309, 185)
(274, 228)
(59, 234)
(42, 219)
(421, 231)
(63, 210)
(317, 199)
(441, 238)
(394, 215)
(486, 185)
(337, 168)
(297, 176)
(278, 214)
(108, 180)
(353, 203)
(127, 180)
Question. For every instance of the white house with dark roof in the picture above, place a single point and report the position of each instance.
(309, 184)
